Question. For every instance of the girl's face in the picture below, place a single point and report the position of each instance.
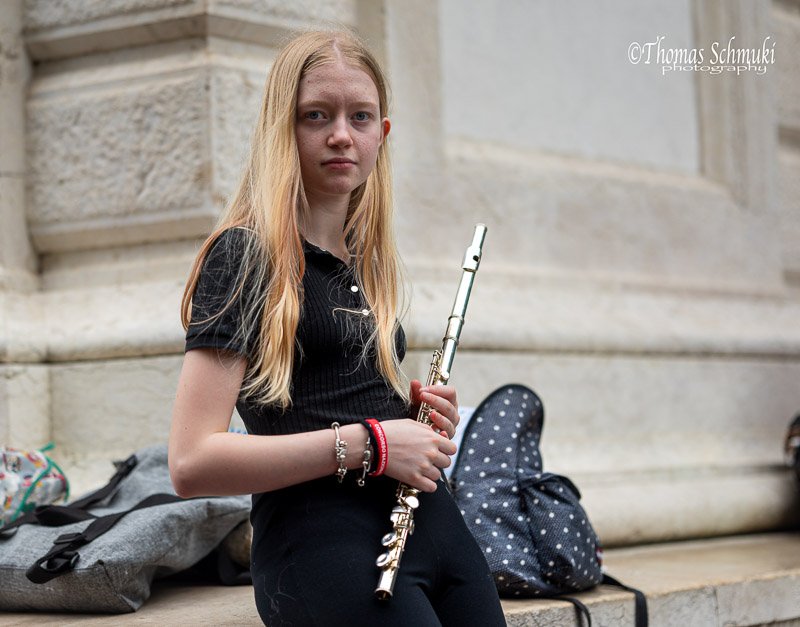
(338, 129)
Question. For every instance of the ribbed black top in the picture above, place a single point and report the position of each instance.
(330, 381)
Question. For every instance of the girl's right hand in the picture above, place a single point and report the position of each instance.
(417, 453)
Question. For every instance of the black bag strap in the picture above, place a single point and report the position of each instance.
(581, 610)
(123, 470)
(57, 515)
(64, 555)
(640, 607)
(640, 616)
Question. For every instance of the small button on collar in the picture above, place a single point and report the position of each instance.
(354, 288)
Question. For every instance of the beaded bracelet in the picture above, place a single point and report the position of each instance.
(381, 448)
(340, 450)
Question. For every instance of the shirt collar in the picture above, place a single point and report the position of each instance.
(315, 251)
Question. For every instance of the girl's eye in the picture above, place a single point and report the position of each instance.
(313, 115)
(361, 116)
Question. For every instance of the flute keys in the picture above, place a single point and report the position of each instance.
(397, 514)
(383, 560)
(389, 539)
(411, 501)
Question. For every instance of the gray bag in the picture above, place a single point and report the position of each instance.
(102, 552)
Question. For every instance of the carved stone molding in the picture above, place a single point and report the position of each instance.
(140, 112)
(59, 30)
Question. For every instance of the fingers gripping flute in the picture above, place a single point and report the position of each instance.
(407, 500)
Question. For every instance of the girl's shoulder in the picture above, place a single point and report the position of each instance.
(235, 237)
(229, 247)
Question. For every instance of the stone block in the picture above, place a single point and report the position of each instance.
(18, 262)
(537, 314)
(410, 40)
(744, 580)
(111, 408)
(549, 215)
(314, 11)
(786, 27)
(697, 606)
(789, 204)
(764, 600)
(24, 406)
(697, 502)
(106, 410)
(653, 441)
(136, 153)
(547, 613)
(14, 76)
(548, 79)
(114, 321)
(507, 312)
(236, 96)
(22, 328)
(140, 149)
(119, 267)
(44, 14)
(627, 414)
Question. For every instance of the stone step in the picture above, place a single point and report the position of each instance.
(736, 581)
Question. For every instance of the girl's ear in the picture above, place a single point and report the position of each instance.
(387, 126)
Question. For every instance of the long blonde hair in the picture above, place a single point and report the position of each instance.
(270, 203)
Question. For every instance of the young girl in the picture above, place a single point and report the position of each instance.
(291, 316)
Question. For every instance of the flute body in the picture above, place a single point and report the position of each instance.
(402, 516)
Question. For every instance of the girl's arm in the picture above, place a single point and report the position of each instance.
(205, 459)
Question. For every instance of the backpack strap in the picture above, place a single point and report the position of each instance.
(640, 600)
(581, 610)
(57, 515)
(64, 555)
(124, 468)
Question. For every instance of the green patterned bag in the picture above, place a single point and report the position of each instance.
(28, 478)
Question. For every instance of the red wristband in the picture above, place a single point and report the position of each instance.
(382, 454)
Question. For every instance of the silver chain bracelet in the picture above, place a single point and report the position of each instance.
(340, 449)
(365, 464)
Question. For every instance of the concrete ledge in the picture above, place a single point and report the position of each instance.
(743, 580)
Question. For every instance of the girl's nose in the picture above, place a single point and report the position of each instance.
(340, 133)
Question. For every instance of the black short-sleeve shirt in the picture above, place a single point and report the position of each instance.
(330, 380)
(215, 319)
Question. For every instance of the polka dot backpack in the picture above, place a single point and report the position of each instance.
(535, 535)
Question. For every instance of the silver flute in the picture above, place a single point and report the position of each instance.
(402, 516)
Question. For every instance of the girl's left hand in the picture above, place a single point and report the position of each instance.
(443, 400)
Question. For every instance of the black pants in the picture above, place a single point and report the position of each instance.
(314, 552)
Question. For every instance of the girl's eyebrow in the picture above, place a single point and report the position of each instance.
(325, 103)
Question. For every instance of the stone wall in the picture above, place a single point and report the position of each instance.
(641, 271)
